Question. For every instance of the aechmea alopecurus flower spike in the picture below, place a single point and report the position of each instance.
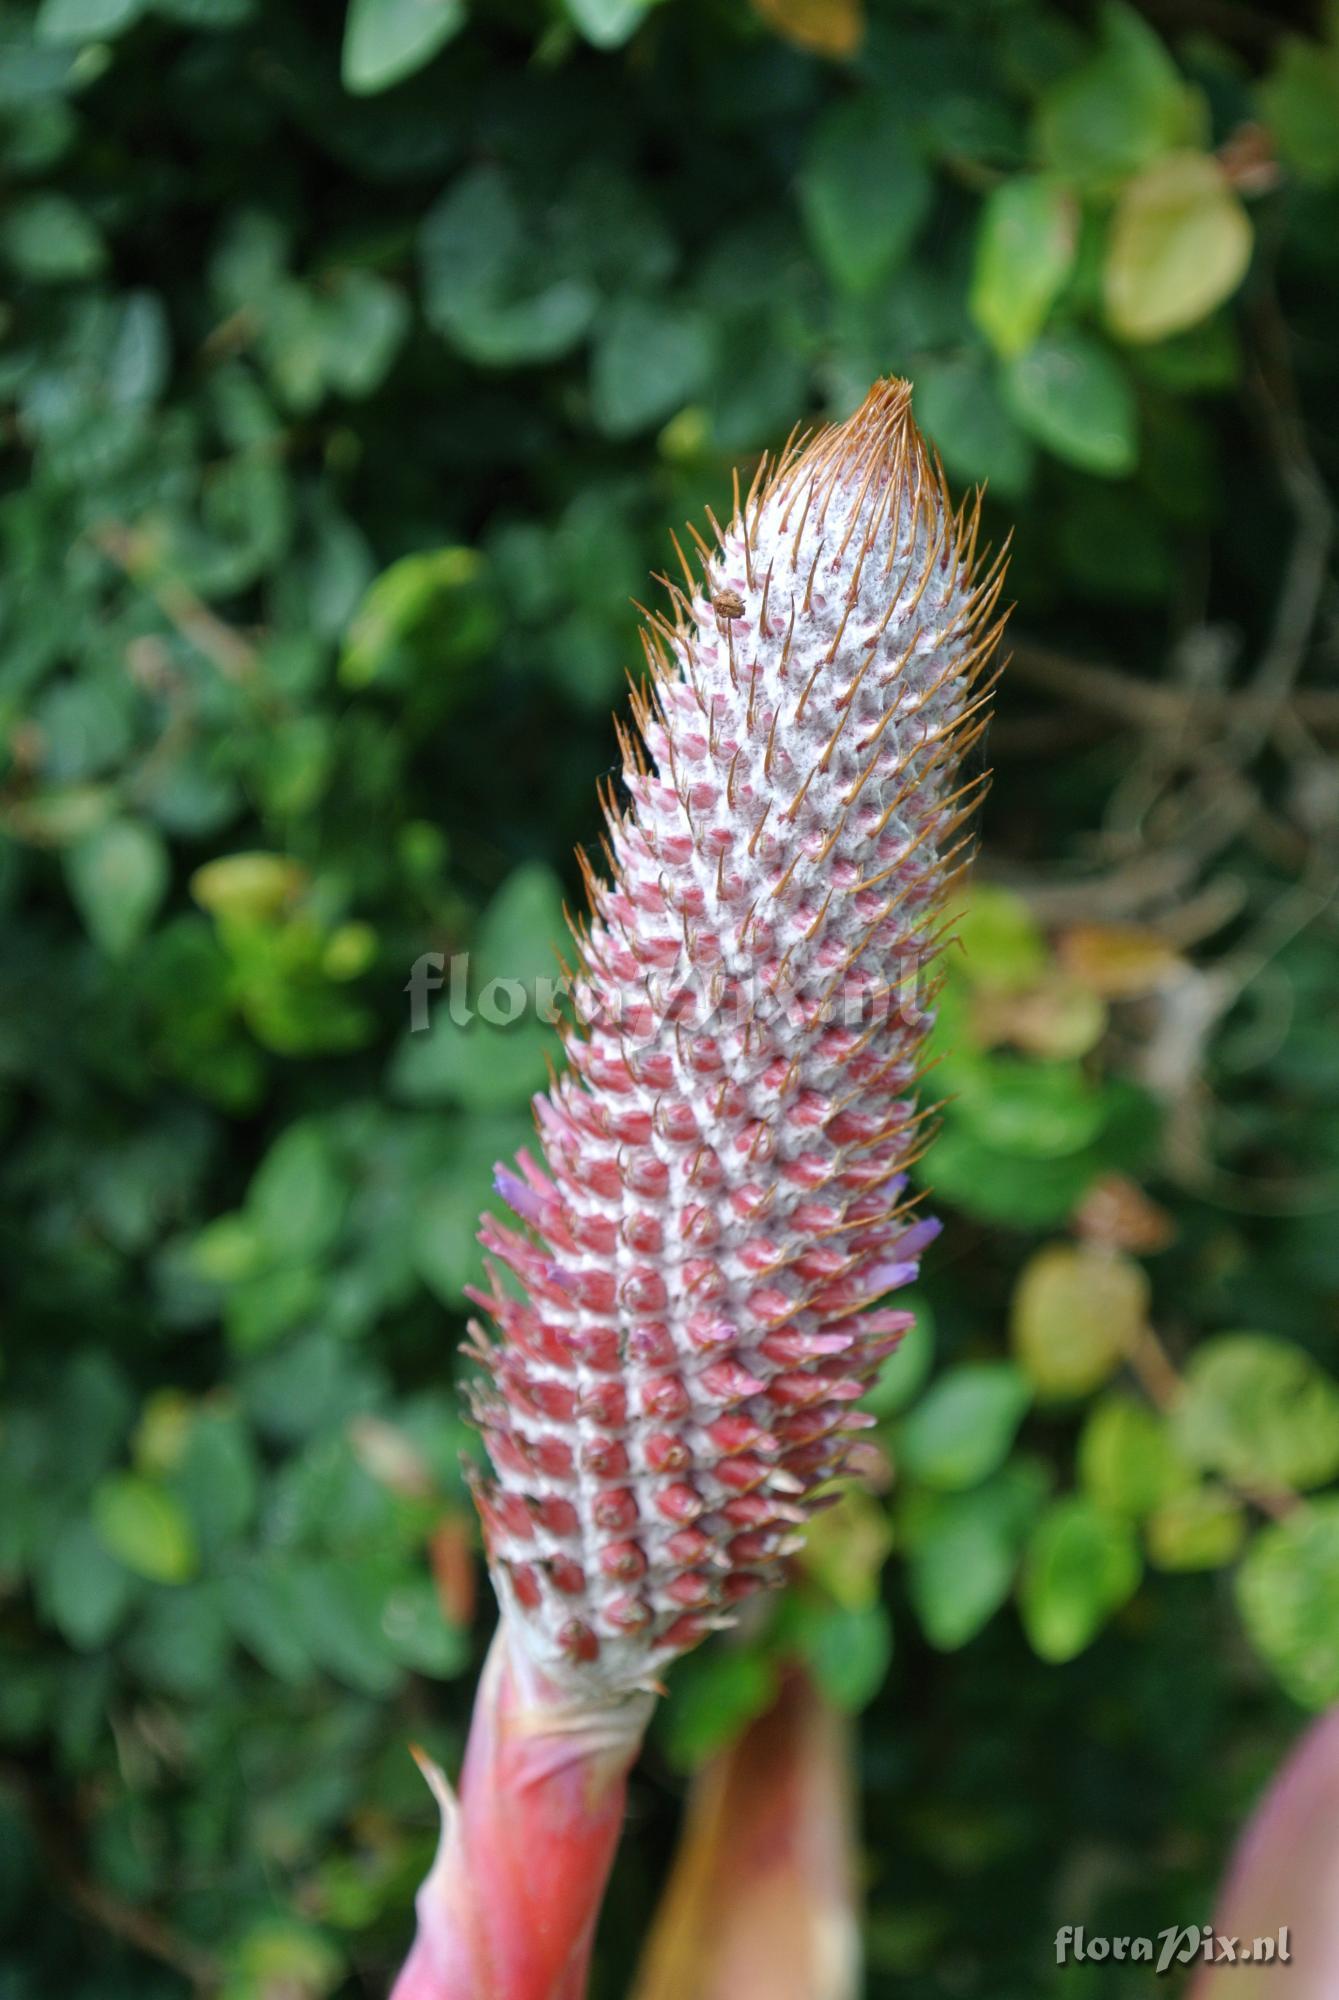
(722, 1198)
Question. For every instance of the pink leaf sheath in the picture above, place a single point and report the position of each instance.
(687, 1310)
(761, 1904)
(1283, 1888)
(508, 1911)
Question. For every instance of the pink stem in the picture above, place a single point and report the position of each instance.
(509, 1909)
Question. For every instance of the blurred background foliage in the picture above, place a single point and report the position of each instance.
(353, 372)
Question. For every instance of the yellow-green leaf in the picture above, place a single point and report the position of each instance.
(145, 1527)
(1077, 1311)
(1200, 1529)
(1025, 249)
(1180, 244)
(829, 27)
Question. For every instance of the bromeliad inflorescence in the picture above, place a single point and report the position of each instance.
(722, 1200)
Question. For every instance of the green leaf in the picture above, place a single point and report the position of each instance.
(1299, 101)
(959, 407)
(1207, 356)
(364, 322)
(336, 1609)
(1260, 1411)
(1076, 1312)
(1123, 106)
(299, 1194)
(864, 192)
(714, 1694)
(485, 288)
(846, 1547)
(446, 1216)
(417, 1631)
(904, 1371)
(1180, 243)
(281, 1957)
(1127, 1458)
(1026, 243)
(1082, 1565)
(1036, 1110)
(85, 20)
(387, 40)
(964, 1425)
(849, 1652)
(145, 1527)
(118, 876)
(1199, 1529)
(963, 1551)
(491, 1032)
(85, 1592)
(257, 1603)
(433, 611)
(1288, 1595)
(1072, 395)
(48, 240)
(651, 357)
(183, 1643)
(217, 1479)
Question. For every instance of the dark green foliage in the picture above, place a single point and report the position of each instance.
(351, 379)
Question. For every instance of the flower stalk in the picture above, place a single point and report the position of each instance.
(689, 1305)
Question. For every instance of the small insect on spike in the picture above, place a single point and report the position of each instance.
(675, 1344)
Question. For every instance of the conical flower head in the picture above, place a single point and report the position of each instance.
(723, 1192)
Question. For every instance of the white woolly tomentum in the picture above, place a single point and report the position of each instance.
(723, 1193)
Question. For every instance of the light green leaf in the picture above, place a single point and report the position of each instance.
(1001, 940)
(1035, 1110)
(387, 40)
(607, 24)
(1072, 395)
(49, 240)
(118, 876)
(1180, 243)
(1082, 1565)
(85, 20)
(1125, 105)
(1025, 248)
(1288, 1595)
(864, 192)
(1260, 1411)
(1076, 1312)
(964, 1425)
(145, 1527)
(1127, 1459)
(298, 1196)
